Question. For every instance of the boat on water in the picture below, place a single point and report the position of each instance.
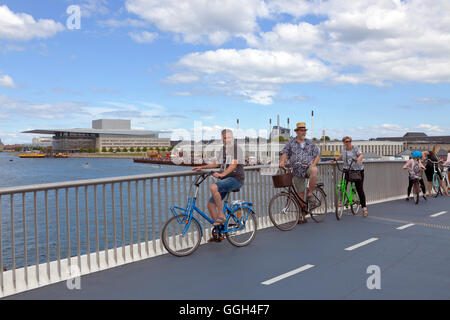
(32, 155)
(61, 155)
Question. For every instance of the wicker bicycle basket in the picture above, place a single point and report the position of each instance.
(282, 180)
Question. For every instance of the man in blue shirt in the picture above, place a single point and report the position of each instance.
(302, 150)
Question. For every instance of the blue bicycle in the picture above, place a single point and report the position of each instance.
(182, 234)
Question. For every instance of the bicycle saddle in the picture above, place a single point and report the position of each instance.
(237, 190)
(319, 184)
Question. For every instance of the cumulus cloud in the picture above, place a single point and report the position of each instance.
(376, 42)
(143, 37)
(198, 21)
(6, 81)
(23, 27)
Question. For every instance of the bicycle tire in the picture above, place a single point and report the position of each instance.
(436, 187)
(416, 189)
(356, 203)
(319, 213)
(274, 215)
(251, 223)
(168, 240)
(339, 204)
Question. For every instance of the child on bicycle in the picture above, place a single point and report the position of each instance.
(414, 167)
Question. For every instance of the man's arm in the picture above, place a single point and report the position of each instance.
(206, 166)
(316, 160)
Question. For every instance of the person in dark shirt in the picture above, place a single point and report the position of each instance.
(231, 177)
(429, 171)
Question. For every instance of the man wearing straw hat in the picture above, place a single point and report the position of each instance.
(302, 150)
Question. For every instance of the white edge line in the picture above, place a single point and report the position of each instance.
(438, 214)
(405, 226)
(287, 274)
(361, 244)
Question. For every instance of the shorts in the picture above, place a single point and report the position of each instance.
(299, 182)
(226, 185)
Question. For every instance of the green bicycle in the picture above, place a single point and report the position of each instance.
(436, 182)
(346, 199)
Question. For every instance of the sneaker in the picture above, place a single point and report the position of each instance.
(407, 199)
(425, 198)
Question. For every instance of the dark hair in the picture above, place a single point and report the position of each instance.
(345, 138)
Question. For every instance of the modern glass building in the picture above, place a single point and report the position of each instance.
(105, 133)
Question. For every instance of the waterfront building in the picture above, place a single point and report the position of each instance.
(419, 141)
(105, 133)
(2, 146)
(380, 148)
(43, 142)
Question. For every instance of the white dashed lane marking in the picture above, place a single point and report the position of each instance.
(287, 274)
(406, 226)
(438, 214)
(358, 245)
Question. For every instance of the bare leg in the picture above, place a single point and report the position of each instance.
(441, 182)
(217, 202)
(429, 188)
(312, 179)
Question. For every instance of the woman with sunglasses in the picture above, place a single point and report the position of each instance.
(348, 154)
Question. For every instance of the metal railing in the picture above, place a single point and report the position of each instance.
(53, 232)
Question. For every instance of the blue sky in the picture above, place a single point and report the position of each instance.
(367, 68)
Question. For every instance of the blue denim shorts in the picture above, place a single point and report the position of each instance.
(226, 185)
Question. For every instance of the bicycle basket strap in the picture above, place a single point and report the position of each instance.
(354, 175)
(282, 180)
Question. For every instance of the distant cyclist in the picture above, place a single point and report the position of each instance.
(429, 172)
(414, 167)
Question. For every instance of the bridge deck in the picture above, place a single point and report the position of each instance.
(414, 263)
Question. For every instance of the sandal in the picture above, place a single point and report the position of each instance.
(219, 221)
(365, 214)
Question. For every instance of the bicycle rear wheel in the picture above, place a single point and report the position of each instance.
(284, 211)
(356, 204)
(243, 224)
(173, 239)
(319, 212)
(416, 191)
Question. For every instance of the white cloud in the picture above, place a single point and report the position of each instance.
(93, 7)
(143, 37)
(197, 21)
(6, 81)
(23, 27)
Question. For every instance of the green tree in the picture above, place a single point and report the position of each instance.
(138, 149)
(124, 150)
(104, 149)
(117, 149)
(111, 149)
(96, 150)
(131, 149)
(89, 150)
(158, 149)
(81, 150)
(163, 149)
(144, 149)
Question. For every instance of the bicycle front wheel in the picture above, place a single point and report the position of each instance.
(340, 204)
(319, 212)
(436, 187)
(241, 227)
(284, 211)
(173, 239)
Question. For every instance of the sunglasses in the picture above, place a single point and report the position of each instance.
(347, 141)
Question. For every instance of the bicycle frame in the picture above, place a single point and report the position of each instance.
(191, 207)
(342, 186)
